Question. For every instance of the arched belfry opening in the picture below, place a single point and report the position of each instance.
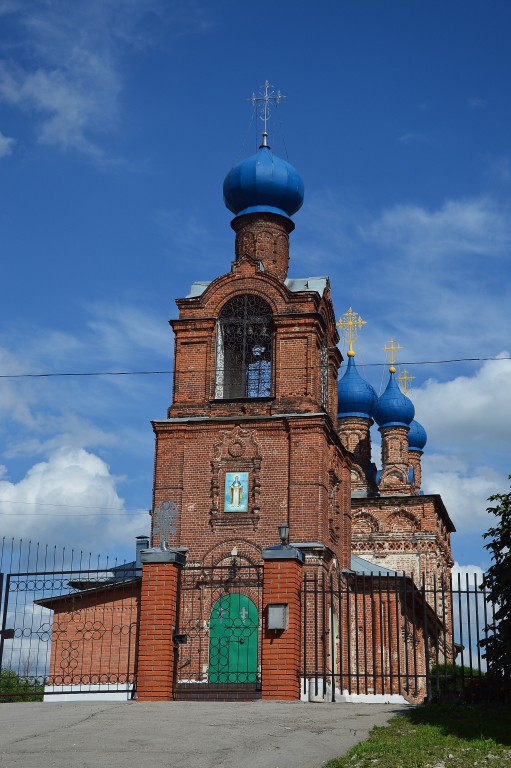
(244, 349)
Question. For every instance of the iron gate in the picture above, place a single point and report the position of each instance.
(218, 648)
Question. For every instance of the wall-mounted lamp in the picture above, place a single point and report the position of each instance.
(284, 534)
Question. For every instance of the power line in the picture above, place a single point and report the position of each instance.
(84, 514)
(104, 510)
(197, 370)
(87, 373)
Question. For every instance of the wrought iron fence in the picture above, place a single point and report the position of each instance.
(379, 635)
(67, 627)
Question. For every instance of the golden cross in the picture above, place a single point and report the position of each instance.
(405, 378)
(393, 347)
(351, 323)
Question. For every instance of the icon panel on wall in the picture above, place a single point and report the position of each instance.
(236, 492)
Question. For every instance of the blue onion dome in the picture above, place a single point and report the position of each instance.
(263, 183)
(356, 396)
(393, 409)
(417, 437)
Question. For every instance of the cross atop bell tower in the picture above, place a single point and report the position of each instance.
(267, 98)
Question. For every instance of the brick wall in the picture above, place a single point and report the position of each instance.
(298, 472)
(265, 238)
(94, 637)
(303, 323)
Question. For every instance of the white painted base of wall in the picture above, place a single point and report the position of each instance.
(371, 698)
(344, 697)
(105, 692)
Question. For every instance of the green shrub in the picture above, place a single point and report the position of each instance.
(15, 688)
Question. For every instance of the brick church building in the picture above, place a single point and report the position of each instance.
(268, 439)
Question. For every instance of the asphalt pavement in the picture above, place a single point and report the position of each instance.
(183, 734)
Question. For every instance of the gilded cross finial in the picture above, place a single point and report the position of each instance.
(391, 349)
(267, 97)
(350, 323)
(404, 379)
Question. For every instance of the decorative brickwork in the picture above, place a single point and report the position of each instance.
(395, 463)
(354, 432)
(297, 471)
(265, 238)
(410, 534)
(414, 457)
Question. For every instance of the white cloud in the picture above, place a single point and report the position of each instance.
(68, 501)
(474, 572)
(68, 80)
(471, 612)
(413, 138)
(468, 422)
(124, 332)
(472, 413)
(476, 102)
(6, 145)
(500, 169)
(39, 415)
(64, 61)
(71, 110)
(473, 226)
(431, 268)
(464, 488)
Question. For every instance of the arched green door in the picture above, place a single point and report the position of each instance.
(233, 636)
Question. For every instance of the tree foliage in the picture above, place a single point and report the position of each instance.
(15, 688)
(497, 581)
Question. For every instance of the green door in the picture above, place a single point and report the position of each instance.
(233, 635)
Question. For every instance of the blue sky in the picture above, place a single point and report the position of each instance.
(118, 122)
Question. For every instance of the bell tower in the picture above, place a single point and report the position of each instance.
(250, 437)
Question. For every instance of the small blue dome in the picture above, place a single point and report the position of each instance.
(263, 183)
(393, 409)
(417, 437)
(356, 396)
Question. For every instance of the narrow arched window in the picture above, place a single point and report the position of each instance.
(244, 349)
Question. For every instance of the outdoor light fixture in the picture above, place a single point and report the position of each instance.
(284, 534)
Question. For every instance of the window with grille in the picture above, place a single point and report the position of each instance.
(244, 349)
(324, 377)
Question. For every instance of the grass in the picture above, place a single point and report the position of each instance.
(437, 736)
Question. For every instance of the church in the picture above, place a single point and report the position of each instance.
(295, 567)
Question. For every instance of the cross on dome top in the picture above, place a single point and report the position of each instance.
(404, 379)
(391, 349)
(267, 97)
(350, 323)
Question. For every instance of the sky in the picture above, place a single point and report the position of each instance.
(119, 120)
